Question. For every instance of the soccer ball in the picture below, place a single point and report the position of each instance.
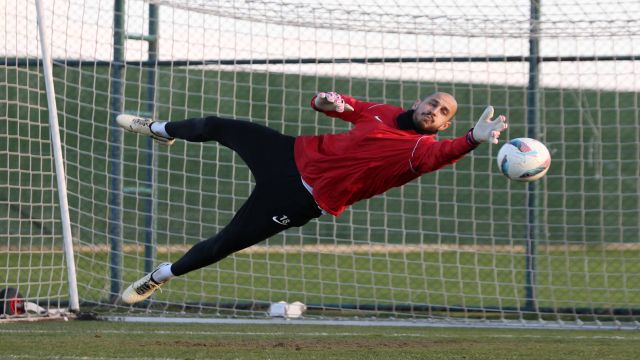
(524, 159)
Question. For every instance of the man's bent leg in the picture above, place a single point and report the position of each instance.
(240, 233)
(266, 213)
(263, 149)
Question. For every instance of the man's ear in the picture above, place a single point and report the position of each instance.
(415, 104)
(444, 126)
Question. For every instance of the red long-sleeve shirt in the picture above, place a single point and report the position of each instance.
(371, 158)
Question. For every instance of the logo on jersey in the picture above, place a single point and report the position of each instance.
(282, 220)
(377, 118)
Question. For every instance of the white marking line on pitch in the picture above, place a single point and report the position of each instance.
(238, 333)
(65, 357)
(367, 248)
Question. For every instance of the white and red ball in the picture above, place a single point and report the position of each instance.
(524, 159)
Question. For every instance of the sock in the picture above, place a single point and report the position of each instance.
(158, 129)
(162, 274)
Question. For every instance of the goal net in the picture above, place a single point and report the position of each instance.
(460, 244)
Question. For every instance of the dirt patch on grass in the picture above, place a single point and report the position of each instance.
(299, 344)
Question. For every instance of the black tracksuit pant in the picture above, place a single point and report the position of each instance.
(278, 201)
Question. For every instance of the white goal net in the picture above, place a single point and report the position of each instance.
(460, 244)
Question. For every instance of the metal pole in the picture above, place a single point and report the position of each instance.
(115, 194)
(74, 304)
(149, 248)
(532, 124)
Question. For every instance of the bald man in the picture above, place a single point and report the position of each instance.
(301, 178)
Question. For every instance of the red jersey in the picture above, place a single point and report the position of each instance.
(373, 157)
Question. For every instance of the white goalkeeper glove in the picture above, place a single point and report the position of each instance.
(487, 129)
(331, 101)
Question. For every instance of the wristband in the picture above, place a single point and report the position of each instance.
(470, 139)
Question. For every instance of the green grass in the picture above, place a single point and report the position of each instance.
(588, 282)
(588, 199)
(112, 340)
(589, 195)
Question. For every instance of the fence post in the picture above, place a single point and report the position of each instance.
(115, 194)
(532, 124)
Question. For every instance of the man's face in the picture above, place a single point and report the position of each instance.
(435, 112)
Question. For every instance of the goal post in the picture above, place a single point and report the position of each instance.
(61, 181)
(35, 226)
(462, 245)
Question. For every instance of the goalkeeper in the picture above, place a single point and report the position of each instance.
(300, 178)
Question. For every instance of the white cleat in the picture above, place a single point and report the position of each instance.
(142, 126)
(143, 288)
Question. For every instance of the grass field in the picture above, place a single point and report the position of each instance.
(112, 340)
(589, 199)
(602, 282)
(589, 194)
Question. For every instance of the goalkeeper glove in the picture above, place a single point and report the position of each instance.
(487, 129)
(331, 101)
